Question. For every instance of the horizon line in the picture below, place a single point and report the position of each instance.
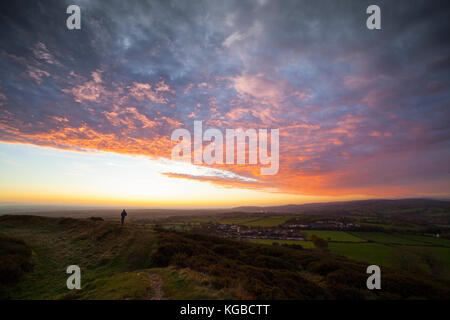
(186, 208)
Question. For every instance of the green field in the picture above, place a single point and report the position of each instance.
(384, 238)
(258, 221)
(425, 260)
(428, 240)
(442, 254)
(334, 235)
(239, 221)
(409, 253)
(304, 244)
(401, 239)
(372, 253)
(389, 226)
(207, 219)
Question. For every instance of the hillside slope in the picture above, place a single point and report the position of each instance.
(143, 262)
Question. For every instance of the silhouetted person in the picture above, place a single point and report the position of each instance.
(123, 215)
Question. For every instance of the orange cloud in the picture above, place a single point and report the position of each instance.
(142, 91)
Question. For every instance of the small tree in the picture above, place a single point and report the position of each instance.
(320, 243)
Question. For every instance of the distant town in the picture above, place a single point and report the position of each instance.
(289, 231)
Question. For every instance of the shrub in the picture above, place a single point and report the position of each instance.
(323, 267)
(320, 243)
(15, 260)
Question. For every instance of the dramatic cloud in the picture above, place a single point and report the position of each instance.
(359, 111)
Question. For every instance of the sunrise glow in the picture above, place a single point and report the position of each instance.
(86, 116)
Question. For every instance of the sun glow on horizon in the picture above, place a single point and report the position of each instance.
(41, 175)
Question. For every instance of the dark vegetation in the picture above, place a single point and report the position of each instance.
(319, 242)
(277, 272)
(15, 260)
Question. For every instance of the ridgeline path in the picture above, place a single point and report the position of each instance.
(155, 284)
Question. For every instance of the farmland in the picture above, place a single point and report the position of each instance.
(270, 221)
(227, 256)
(385, 250)
(372, 253)
(334, 235)
(304, 244)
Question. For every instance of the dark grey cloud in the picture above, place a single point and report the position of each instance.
(342, 91)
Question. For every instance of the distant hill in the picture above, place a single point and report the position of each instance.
(381, 206)
(376, 205)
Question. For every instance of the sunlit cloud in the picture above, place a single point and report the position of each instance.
(360, 114)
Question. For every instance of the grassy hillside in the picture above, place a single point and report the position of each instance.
(141, 262)
(114, 261)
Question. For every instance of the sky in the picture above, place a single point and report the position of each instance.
(86, 116)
